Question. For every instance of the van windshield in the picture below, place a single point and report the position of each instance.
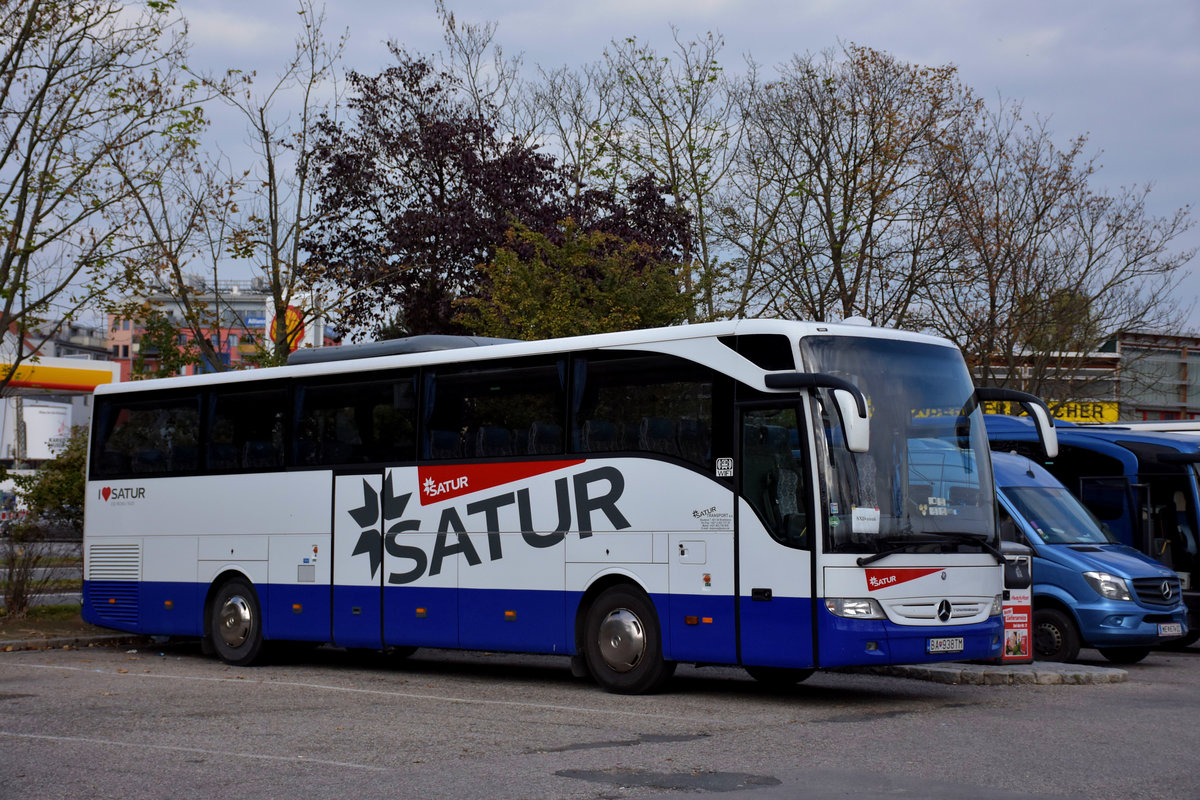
(1056, 516)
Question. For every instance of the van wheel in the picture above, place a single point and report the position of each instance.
(623, 642)
(1124, 655)
(779, 677)
(235, 623)
(1055, 637)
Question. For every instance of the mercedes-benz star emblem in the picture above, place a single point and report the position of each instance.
(943, 611)
(1166, 590)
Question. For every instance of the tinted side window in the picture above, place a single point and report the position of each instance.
(146, 435)
(645, 403)
(246, 429)
(354, 421)
(495, 410)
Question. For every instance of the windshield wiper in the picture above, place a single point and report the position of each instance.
(905, 543)
(971, 538)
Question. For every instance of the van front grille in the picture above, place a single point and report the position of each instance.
(1157, 591)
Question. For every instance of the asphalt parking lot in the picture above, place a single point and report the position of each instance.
(137, 721)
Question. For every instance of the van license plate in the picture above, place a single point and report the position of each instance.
(1170, 629)
(945, 644)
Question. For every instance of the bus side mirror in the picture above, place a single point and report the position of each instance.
(856, 429)
(850, 401)
(1033, 406)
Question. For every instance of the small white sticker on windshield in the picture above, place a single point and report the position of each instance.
(864, 520)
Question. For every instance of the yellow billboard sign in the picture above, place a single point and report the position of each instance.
(1071, 411)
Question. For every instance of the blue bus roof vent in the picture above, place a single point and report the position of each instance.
(390, 347)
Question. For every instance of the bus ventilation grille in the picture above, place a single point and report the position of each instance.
(113, 601)
(114, 562)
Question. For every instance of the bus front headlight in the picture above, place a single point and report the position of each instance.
(1109, 586)
(997, 605)
(854, 607)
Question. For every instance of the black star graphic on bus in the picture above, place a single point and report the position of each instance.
(370, 541)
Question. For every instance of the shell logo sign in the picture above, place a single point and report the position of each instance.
(293, 323)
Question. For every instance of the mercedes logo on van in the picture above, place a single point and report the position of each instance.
(1166, 590)
(943, 611)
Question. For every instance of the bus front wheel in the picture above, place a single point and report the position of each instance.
(235, 623)
(623, 642)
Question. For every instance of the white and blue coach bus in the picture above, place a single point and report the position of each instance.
(729, 493)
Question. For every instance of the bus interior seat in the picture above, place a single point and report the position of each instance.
(222, 455)
(257, 454)
(113, 461)
(545, 438)
(306, 451)
(694, 440)
(599, 436)
(184, 458)
(333, 451)
(492, 441)
(657, 435)
(149, 461)
(445, 444)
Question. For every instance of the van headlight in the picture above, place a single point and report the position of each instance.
(1109, 586)
(854, 607)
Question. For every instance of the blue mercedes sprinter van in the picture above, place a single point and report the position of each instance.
(1088, 589)
(1144, 487)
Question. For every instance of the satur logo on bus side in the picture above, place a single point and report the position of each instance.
(382, 515)
(122, 496)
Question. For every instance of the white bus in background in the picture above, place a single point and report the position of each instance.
(730, 493)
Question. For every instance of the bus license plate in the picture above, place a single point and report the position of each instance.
(1170, 629)
(946, 644)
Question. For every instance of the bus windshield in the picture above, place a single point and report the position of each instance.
(926, 479)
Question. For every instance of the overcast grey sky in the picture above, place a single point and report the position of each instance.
(1127, 74)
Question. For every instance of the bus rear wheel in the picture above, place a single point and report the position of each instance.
(235, 623)
(623, 642)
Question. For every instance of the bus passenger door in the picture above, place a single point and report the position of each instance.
(776, 536)
(358, 560)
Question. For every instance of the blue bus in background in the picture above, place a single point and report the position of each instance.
(1088, 589)
(1141, 485)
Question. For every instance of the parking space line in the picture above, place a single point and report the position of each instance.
(180, 749)
(382, 692)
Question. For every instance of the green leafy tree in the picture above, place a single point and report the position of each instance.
(53, 498)
(573, 284)
(92, 101)
(161, 354)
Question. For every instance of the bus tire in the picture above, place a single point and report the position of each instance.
(1055, 637)
(1124, 655)
(779, 677)
(235, 623)
(622, 641)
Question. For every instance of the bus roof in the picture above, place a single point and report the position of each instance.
(670, 339)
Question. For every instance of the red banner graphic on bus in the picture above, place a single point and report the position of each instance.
(883, 578)
(445, 482)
